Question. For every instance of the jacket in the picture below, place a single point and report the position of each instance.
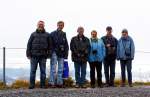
(60, 43)
(80, 48)
(111, 52)
(126, 49)
(39, 44)
(97, 51)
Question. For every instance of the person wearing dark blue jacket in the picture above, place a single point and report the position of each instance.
(125, 53)
(110, 59)
(59, 53)
(96, 56)
(39, 48)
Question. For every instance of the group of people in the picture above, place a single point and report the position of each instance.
(42, 45)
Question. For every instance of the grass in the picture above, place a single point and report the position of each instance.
(69, 83)
(3, 86)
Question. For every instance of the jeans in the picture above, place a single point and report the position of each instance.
(109, 69)
(128, 64)
(56, 79)
(42, 64)
(98, 67)
(80, 73)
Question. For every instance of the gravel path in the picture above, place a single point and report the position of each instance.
(97, 92)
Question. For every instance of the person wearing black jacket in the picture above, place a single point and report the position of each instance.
(59, 53)
(38, 50)
(110, 59)
(80, 47)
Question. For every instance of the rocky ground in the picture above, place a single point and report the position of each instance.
(143, 91)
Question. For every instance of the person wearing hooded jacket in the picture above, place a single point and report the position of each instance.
(125, 53)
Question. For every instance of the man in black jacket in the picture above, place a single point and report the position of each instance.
(110, 60)
(59, 53)
(38, 50)
(80, 47)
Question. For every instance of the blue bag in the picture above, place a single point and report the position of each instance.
(66, 70)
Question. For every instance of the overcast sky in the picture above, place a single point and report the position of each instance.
(18, 18)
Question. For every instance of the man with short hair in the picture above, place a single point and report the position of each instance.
(59, 53)
(80, 47)
(110, 59)
(38, 50)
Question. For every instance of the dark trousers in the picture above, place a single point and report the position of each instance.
(80, 73)
(126, 64)
(109, 69)
(42, 64)
(98, 66)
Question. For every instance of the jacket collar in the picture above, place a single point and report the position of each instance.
(40, 31)
(83, 37)
(125, 38)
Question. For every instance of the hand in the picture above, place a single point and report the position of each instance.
(108, 45)
(29, 58)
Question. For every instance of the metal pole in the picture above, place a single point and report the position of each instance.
(4, 63)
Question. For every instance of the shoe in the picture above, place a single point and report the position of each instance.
(31, 87)
(92, 86)
(100, 86)
(123, 85)
(77, 86)
(51, 86)
(112, 85)
(42, 87)
(83, 86)
(130, 85)
(59, 86)
(106, 85)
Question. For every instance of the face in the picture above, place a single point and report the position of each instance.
(94, 34)
(124, 34)
(60, 26)
(40, 25)
(80, 30)
(109, 32)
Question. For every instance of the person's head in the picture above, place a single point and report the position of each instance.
(124, 33)
(40, 25)
(80, 31)
(60, 25)
(94, 34)
(109, 30)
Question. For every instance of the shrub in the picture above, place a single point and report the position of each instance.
(2, 86)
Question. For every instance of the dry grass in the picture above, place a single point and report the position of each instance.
(20, 84)
(69, 83)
